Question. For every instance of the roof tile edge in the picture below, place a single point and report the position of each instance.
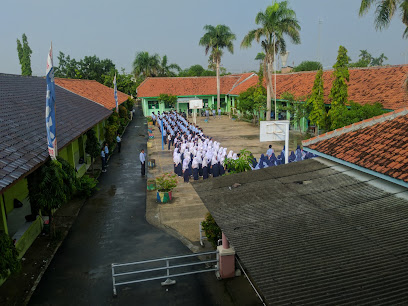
(357, 126)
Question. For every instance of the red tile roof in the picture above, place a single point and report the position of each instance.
(189, 86)
(379, 144)
(369, 85)
(92, 90)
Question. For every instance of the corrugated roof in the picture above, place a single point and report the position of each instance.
(23, 138)
(189, 86)
(309, 234)
(92, 90)
(379, 144)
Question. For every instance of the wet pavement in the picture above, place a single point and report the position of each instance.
(111, 227)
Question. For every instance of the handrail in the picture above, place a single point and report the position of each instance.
(163, 259)
(167, 267)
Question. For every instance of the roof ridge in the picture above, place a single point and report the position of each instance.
(356, 126)
(79, 95)
(246, 79)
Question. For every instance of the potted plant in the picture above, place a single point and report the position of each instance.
(165, 184)
(151, 184)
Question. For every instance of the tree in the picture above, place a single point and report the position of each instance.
(146, 65)
(367, 60)
(308, 66)
(297, 109)
(55, 187)
(318, 115)
(253, 101)
(92, 68)
(260, 57)
(358, 112)
(216, 39)
(167, 70)
(385, 10)
(92, 146)
(339, 90)
(379, 61)
(67, 67)
(277, 21)
(24, 56)
(9, 261)
(170, 100)
(196, 70)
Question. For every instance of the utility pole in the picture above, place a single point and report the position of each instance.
(319, 56)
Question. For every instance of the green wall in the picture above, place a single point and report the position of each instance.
(211, 103)
(18, 191)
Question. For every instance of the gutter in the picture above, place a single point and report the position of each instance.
(359, 168)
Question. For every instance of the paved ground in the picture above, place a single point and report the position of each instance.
(186, 211)
(111, 227)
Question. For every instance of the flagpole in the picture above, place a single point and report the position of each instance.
(55, 104)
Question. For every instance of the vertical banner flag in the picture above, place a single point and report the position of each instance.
(50, 108)
(116, 93)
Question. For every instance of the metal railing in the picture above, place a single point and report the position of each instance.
(167, 268)
(202, 236)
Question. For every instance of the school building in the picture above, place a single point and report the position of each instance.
(386, 85)
(80, 105)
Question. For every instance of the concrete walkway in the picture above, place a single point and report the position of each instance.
(111, 227)
(182, 216)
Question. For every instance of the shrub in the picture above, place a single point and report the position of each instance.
(242, 164)
(123, 112)
(9, 261)
(86, 185)
(166, 182)
(211, 229)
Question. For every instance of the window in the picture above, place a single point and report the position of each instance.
(153, 104)
(167, 105)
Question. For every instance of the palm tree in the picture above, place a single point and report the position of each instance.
(146, 65)
(384, 12)
(277, 20)
(215, 39)
(165, 70)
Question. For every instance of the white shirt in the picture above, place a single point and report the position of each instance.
(118, 139)
(142, 157)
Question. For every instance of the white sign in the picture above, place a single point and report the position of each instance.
(276, 131)
(196, 104)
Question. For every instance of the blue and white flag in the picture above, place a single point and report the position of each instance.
(115, 93)
(50, 108)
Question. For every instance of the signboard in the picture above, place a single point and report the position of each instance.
(276, 131)
(196, 104)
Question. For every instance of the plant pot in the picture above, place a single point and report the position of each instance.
(151, 185)
(164, 196)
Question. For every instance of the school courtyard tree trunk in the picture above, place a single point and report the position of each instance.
(277, 20)
(215, 39)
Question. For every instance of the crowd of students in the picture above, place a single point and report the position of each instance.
(198, 155)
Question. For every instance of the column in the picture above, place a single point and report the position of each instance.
(227, 259)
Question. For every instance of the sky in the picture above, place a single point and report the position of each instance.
(119, 29)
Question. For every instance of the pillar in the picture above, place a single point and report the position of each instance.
(227, 259)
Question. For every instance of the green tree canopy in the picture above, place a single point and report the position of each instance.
(296, 107)
(367, 60)
(308, 66)
(385, 11)
(24, 55)
(9, 262)
(339, 90)
(214, 41)
(278, 21)
(170, 100)
(318, 115)
(146, 65)
(196, 70)
(166, 69)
